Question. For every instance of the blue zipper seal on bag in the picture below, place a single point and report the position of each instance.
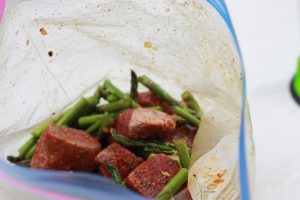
(221, 8)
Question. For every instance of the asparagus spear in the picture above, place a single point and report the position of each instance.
(111, 98)
(93, 100)
(39, 130)
(161, 93)
(102, 91)
(107, 122)
(82, 107)
(192, 112)
(183, 153)
(27, 146)
(148, 146)
(154, 108)
(134, 104)
(65, 118)
(30, 153)
(190, 101)
(174, 185)
(13, 159)
(99, 126)
(94, 127)
(140, 152)
(118, 93)
(19, 161)
(105, 94)
(115, 106)
(87, 121)
(113, 89)
(186, 115)
(114, 172)
(157, 90)
(134, 85)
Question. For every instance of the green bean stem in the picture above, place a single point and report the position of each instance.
(82, 107)
(94, 100)
(148, 146)
(183, 153)
(186, 115)
(94, 127)
(191, 102)
(157, 90)
(113, 89)
(87, 121)
(112, 98)
(30, 153)
(39, 130)
(27, 146)
(102, 91)
(115, 106)
(134, 86)
(67, 117)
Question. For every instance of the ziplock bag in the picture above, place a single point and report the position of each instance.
(54, 51)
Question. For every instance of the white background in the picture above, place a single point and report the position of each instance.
(268, 32)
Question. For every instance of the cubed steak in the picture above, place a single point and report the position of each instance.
(183, 131)
(63, 148)
(120, 157)
(150, 177)
(145, 124)
(148, 99)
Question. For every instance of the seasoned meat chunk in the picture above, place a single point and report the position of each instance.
(183, 131)
(148, 99)
(118, 156)
(62, 148)
(150, 177)
(145, 124)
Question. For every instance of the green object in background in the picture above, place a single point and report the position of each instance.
(295, 84)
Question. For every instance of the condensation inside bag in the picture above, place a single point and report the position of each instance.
(182, 45)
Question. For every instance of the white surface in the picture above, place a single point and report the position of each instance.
(268, 32)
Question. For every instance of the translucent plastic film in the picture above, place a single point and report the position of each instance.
(52, 52)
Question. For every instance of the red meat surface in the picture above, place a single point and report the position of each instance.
(183, 131)
(145, 124)
(63, 148)
(118, 156)
(148, 99)
(150, 177)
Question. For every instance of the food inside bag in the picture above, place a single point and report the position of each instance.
(139, 139)
(148, 94)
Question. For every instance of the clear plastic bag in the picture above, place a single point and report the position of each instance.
(52, 52)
